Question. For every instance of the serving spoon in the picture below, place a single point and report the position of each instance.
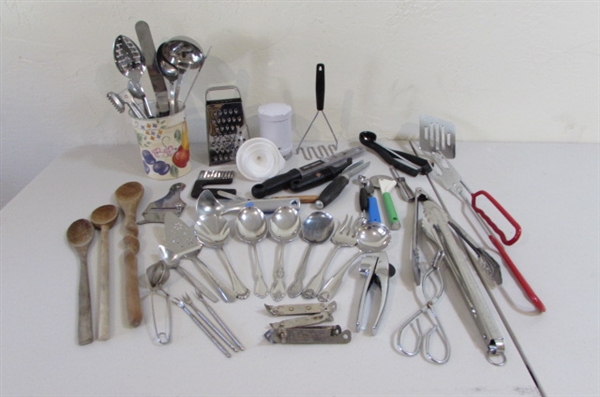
(175, 57)
(316, 229)
(128, 197)
(80, 235)
(284, 226)
(251, 227)
(104, 218)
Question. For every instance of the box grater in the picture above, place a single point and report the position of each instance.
(226, 127)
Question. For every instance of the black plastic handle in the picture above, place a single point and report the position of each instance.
(331, 191)
(319, 177)
(320, 86)
(275, 184)
(363, 200)
(368, 138)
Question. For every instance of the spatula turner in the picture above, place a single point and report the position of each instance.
(436, 135)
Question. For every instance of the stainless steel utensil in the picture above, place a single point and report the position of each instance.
(181, 304)
(207, 205)
(188, 301)
(131, 63)
(284, 227)
(345, 236)
(158, 82)
(213, 232)
(316, 229)
(123, 99)
(158, 274)
(435, 224)
(175, 57)
(251, 227)
(80, 235)
(370, 238)
(181, 243)
(155, 211)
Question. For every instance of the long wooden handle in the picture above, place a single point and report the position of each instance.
(104, 295)
(85, 331)
(132, 289)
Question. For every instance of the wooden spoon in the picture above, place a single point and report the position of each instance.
(104, 218)
(80, 235)
(128, 196)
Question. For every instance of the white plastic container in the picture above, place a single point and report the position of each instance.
(275, 121)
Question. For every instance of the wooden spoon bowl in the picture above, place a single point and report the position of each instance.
(80, 235)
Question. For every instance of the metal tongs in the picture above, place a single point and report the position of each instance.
(402, 161)
(436, 224)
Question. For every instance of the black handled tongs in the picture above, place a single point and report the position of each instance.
(402, 161)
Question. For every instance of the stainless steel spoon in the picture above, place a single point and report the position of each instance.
(251, 227)
(80, 235)
(213, 232)
(316, 229)
(284, 226)
(175, 57)
(370, 237)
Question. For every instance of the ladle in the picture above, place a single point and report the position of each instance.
(371, 237)
(316, 229)
(213, 232)
(128, 197)
(175, 57)
(80, 235)
(104, 218)
(251, 227)
(284, 226)
(158, 274)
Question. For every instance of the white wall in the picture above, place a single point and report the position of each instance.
(503, 71)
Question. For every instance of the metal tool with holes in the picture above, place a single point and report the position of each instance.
(226, 127)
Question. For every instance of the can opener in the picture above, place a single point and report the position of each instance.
(172, 202)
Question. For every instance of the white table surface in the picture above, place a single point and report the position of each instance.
(551, 189)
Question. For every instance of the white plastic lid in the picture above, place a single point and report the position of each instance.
(274, 112)
(259, 159)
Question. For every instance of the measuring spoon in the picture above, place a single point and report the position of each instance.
(104, 218)
(251, 227)
(80, 235)
(128, 197)
(284, 226)
(316, 229)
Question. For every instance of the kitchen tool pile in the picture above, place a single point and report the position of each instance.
(437, 241)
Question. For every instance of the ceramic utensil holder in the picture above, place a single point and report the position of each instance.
(164, 146)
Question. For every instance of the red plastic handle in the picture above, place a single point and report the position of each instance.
(489, 221)
(521, 280)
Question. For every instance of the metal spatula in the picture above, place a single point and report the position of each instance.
(436, 135)
(181, 243)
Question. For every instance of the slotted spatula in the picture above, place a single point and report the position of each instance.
(436, 135)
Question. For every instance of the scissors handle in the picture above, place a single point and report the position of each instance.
(489, 221)
(520, 279)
